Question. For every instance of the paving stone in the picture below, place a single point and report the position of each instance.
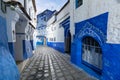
(46, 75)
(59, 74)
(69, 77)
(49, 64)
(39, 76)
(30, 78)
(54, 78)
(58, 70)
(46, 71)
(24, 74)
(61, 78)
(66, 73)
(46, 68)
(72, 71)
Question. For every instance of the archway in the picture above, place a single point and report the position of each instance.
(67, 35)
(91, 53)
(67, 41)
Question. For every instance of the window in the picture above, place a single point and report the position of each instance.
(45, 19)
(54, 38)
(79, 3)
(92, 53)
(14, 37)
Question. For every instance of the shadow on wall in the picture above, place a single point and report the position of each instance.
(7, 63)
(110, 52)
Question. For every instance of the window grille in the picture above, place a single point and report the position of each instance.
(92, 53)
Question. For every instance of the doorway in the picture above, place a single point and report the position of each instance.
(68, 42)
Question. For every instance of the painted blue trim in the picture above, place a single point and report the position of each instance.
(8, 67)
(38, 43)
(41, 41)
(77, 59)
(76, 4)
(31, 41)
(66, 25)
(57, 45)
(99, 21)
(27, 49)
(11, 48)
(95, 27)
(99, 71)
(40, 36)
(20, 33)
(66, 21)
(66, 30)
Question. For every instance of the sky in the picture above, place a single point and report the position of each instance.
(49, 4)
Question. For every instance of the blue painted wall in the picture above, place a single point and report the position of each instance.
(97, 28)
(31, 41)
(57, 45)
(27, 49)
(7, 63)
(94, 27)
(111, 61)
(66, 25)
(39, 43)
(11, 48)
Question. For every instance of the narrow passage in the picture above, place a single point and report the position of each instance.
(49, 64)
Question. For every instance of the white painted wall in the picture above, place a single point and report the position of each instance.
(40, 23)
(93, 8)
(25, 29)
(19, 47)
(11, 22)
(54, 30)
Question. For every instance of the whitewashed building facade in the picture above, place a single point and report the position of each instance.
(42, 20)
(20, 28)
(94, 30)
(17, 26)
(56, 28)
(94, 25)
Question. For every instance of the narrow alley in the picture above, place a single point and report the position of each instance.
(49, 64)
(60, 40)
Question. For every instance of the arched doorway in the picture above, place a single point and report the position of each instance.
(45, 41)
(92, 54)
(68, 42)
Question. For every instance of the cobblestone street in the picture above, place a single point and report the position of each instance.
(49, 64)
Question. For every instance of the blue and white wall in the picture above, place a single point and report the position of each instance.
(42, 19)
(100, 20)
(55, 31)
(19, 31)
(7, 63)
(11, 32)
(32, 13)
(23, 48)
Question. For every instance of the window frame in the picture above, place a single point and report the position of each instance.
(86, 47)
(76, 3)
